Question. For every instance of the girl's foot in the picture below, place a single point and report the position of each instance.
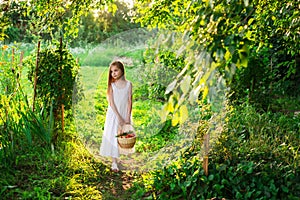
(114, 167)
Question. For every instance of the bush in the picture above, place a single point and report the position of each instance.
(271, 75)
(159, 71)
(255, 158)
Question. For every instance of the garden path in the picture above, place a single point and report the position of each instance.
(88, 128)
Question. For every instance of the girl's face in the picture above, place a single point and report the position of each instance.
(116, 73)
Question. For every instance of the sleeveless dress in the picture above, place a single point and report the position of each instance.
(109, 145)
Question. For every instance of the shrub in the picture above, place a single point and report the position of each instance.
(255, 158)
(159, 71)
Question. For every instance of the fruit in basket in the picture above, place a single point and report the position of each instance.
(127, 134)
(130, 135)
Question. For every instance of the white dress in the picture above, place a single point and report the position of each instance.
(109, 145)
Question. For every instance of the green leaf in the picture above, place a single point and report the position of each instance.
(170, 105)
(172, 185)
(205, 92)
(194, 94)
(187, 183)
(284, 189)
(227, 55)
(175, 119)
(250, 21)
(185, 84)
(250, 170)
(171, 87)
(183, 114)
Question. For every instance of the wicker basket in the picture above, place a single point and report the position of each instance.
(129, 142)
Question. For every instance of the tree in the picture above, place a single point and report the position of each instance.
(98, 25)
(48, 18)
(216, 38)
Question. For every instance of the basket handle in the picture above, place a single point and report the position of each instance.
(125, 128)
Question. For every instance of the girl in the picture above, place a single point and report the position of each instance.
(119, 95)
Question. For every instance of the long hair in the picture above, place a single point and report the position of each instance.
(119, 65)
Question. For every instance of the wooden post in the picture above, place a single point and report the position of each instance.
(21, 64)
(21, 60)
(19, 70)
(12, 65)
(35, 74)
(206, 151)
(12, 56)
(21, 57)
(63, 91)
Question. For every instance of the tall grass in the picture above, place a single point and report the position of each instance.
(19, 126)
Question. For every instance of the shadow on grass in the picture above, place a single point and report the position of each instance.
(71, 173)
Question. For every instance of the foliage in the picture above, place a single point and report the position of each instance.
(54, 80)
(88, 21)
(253, 82)
(10, 71)
(101, 24)
(271, 76)
(46, 19)
(56, 76)
(4, 22)
(17, 29)
(153, 134)
(70, 172)
(35, 125)
(160, 69)
(255, 158)
(216, 39)
(12, 103)
(20, 127)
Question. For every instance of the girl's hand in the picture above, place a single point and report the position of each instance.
(121, 122)
(127, 121)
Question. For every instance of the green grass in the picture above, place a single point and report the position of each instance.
(71, 172)
(87, 124)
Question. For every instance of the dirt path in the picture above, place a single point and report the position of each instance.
(116, 185)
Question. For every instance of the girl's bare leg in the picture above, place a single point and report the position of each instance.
(114, 165)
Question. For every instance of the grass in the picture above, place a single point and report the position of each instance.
(73, 169)
(87, 124)
(71, 172)
(90, 116)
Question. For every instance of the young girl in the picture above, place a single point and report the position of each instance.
(119, 95)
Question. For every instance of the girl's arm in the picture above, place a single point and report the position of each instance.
(113, 106)
(128, 116)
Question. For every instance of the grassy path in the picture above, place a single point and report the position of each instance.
(85, 112)
(115, 185)
(89, 125)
